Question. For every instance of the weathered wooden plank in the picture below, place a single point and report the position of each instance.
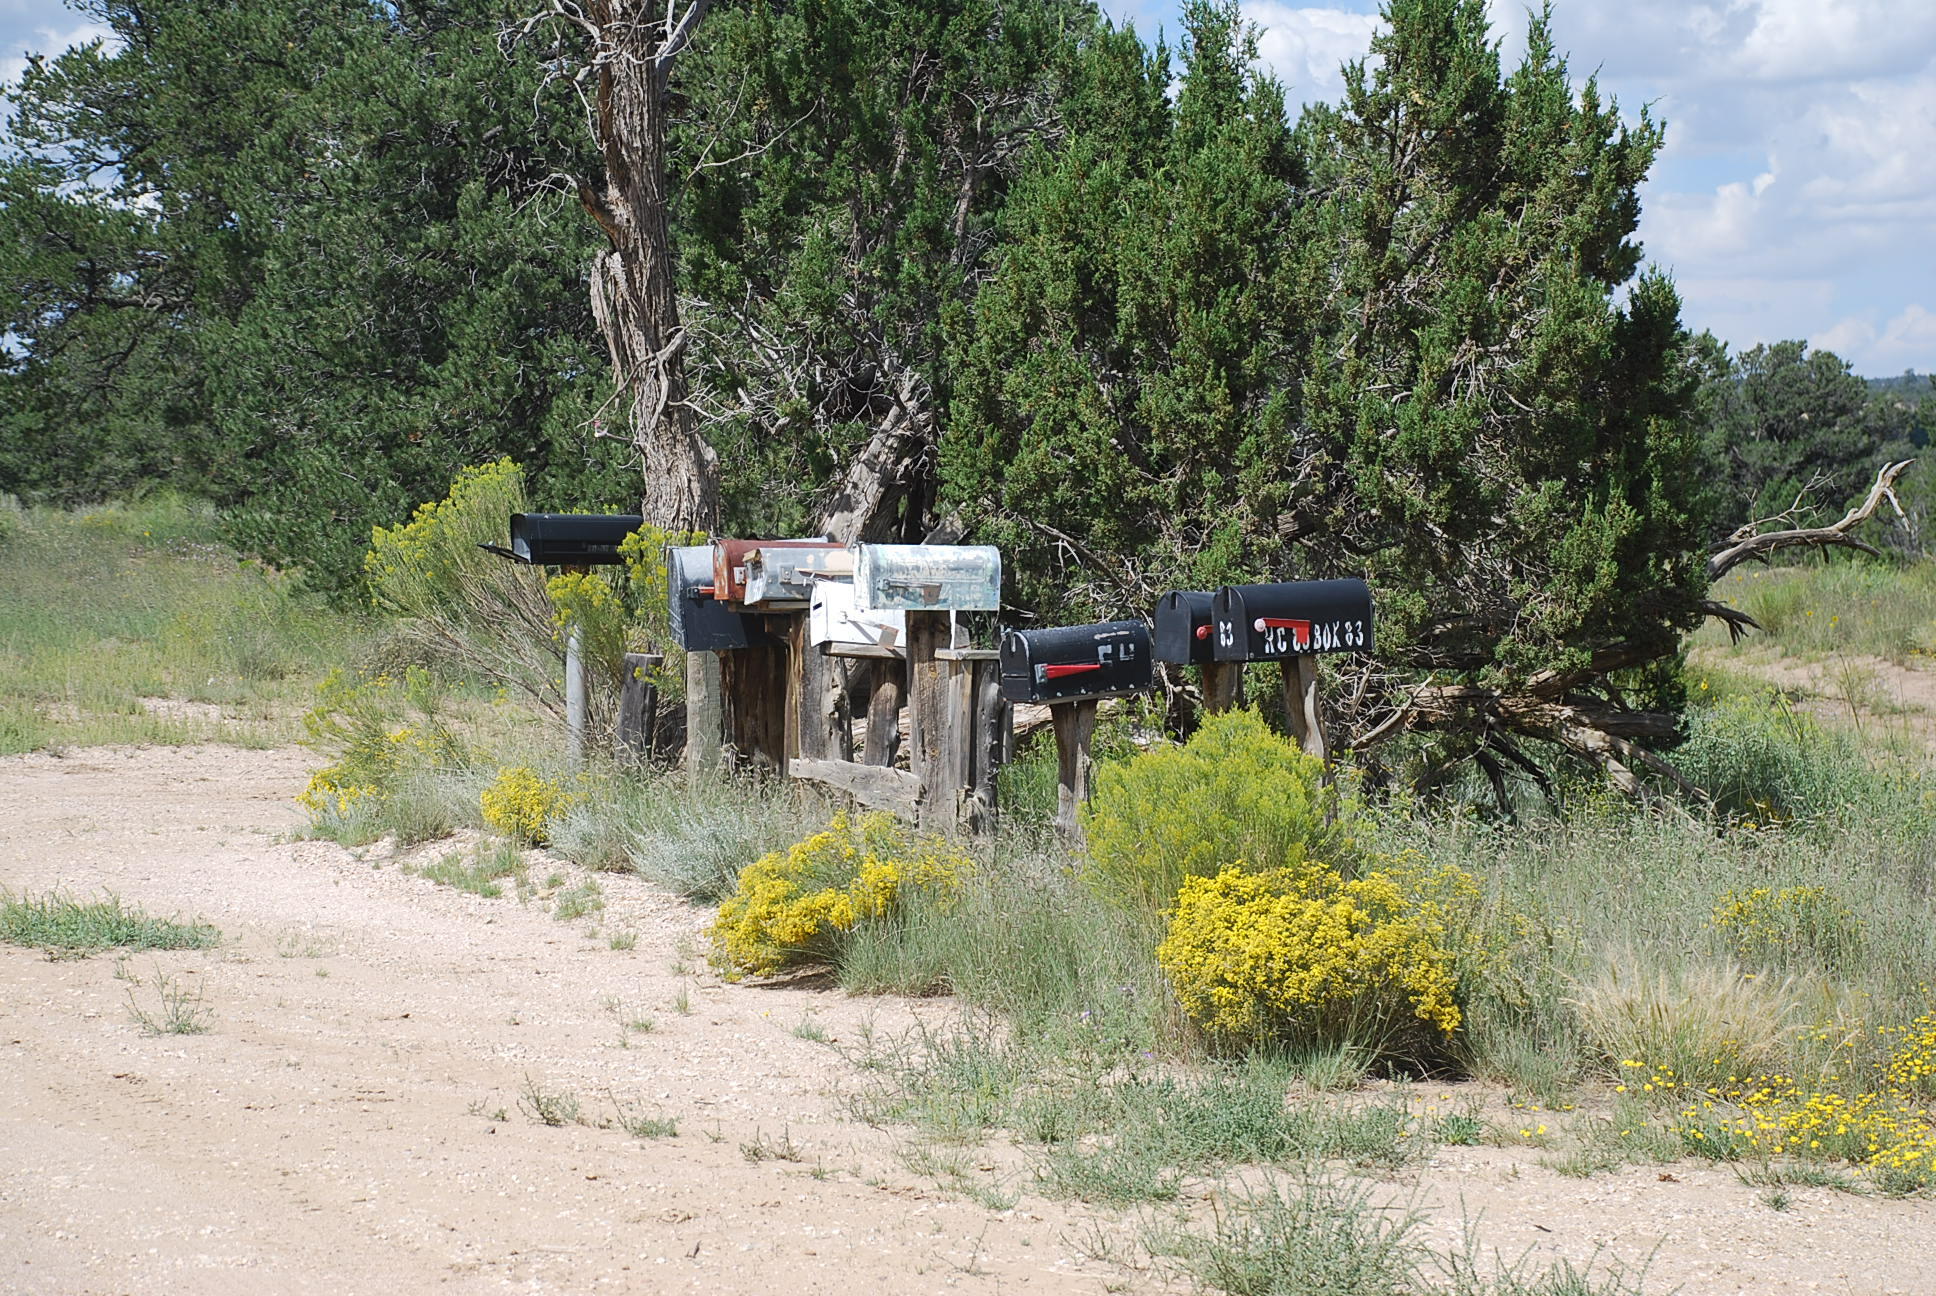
(753, 688)
(928, 736)
(884, 713)
(874, 786)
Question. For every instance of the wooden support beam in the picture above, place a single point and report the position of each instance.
(1223, 686)
(1301, 710)
(1075, 729)
(753, 688)
(705, 716)
(884, 712)
(928, 634)
(637, 705)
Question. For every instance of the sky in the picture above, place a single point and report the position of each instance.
(1795, 196)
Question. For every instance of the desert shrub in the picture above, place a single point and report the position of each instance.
(1778, 925)
(799, 904)
(521, 805)
(1306, 957)
(376, 732)
(1235, 796)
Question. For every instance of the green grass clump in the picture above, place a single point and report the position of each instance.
(1873, 607)
(63, 925)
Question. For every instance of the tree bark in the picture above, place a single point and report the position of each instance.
(634, 45)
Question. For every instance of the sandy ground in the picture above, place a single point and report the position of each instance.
(351, 1123)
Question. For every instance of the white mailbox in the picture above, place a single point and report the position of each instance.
(835, 621)
(928, 578)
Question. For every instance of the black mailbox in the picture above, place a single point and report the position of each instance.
(1183, 627)
(569, 539)
(1294, 619)
(1074, 663)
(700, 622)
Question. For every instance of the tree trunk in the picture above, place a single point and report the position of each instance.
(635, 43)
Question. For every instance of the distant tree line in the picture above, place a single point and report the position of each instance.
(1025, 275)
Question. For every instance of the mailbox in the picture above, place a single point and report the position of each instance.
(729, 563)
(569, 539)
(700, 622)
(1183, 627)
(849, 632)
(928, 578)
(782, 577)
(1076, 663)
(1294, 619)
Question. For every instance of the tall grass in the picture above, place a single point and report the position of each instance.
(105, 609)
(1870, 606)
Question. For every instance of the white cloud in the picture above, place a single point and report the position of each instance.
(1906, 341)
(1308, 47)
(49, 41)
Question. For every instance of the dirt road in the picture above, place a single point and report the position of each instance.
(353, 1122)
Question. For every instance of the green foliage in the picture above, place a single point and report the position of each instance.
(72, 928)
(378, 734)
(1404, 341)
(1787, 425)
(299, 258)
(799, 905)
(1236, 795)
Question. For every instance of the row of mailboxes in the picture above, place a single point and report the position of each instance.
(1238, 623)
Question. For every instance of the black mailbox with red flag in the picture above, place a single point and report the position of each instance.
(1076, 663)
(1292, 619)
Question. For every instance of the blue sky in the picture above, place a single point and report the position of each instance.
(1796, 195)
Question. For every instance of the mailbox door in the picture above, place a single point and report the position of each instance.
(700, 622)
(834, 620)
(571, 539)
(1073, 663)
(1293, 619)
(928, 578)
(1183, 628)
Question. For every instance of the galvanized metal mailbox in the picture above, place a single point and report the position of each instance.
(700, 622)
(834, 620)
(1183, 628)
(1293, 619)
(730, 567)
(782, 577)
(928, 578)
(569, 539)
(1076, 663)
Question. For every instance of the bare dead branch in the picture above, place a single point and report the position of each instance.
(1839, 533)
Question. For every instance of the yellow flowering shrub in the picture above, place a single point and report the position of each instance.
(425, 564)
(1235, 796)
(374, 731)
(797, 905)
(1303, 955)
(521, 805)
(1771, 925)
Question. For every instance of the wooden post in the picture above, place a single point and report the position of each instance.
(638, 701)
(927, 634)
(705, 719)
(1301, 711)
(883, 713)
(1075, 727)
(816, 711)
(1223, 686)
(963, 787)
(753, 691)
(994, 731)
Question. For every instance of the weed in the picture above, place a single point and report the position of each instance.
(70, 928)
(682, 1002)
(623, 940)
(176, 1010)
(585, 898)
(545, 1106)
(809, 1029)
(639, 1124)
(1460, 1130)
(763, 1148)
